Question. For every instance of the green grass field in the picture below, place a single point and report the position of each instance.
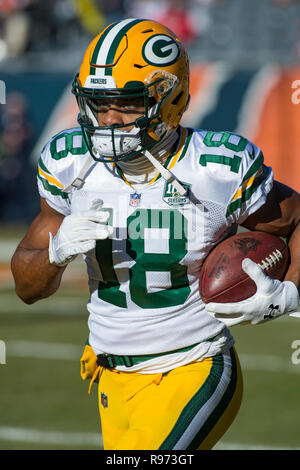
(45, 404)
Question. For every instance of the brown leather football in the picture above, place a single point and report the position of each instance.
(222, 278)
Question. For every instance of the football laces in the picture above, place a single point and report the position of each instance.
(271, 260)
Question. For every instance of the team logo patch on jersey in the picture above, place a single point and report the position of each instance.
(104, 400)
(173, 198)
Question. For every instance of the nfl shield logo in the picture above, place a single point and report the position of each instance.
(104, 400)
(135, 199)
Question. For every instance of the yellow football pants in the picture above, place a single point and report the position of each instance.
(189, 407)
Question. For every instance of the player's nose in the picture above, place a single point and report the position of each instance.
(111, 117)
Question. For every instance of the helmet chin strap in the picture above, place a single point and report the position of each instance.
(154, 158)
(165, 173)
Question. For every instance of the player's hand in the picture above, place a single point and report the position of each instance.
(78, 234)
(272, 299)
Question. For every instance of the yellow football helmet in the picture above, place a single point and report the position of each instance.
(132, 59)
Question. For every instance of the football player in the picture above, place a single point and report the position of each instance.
(144, 200)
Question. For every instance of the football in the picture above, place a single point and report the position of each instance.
(222, 278)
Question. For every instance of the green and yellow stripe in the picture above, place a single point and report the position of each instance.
(108, 44)
(202, 416)
(256, 174)
(50, 183)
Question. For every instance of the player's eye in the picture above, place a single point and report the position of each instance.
(129, 105)
(98, 106)
(102, 108)
(123, 105)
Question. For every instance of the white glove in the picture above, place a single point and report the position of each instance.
(78, 234)
(272, 299)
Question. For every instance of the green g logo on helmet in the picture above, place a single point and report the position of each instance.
(160, 50)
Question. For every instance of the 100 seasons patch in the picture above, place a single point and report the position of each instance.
(173, 198)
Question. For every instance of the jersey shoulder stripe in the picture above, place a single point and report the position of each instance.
(43, 172)
(50, 184)
(247, 189)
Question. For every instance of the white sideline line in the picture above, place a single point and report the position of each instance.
(61, 351)
(67, 306)
(42, 350)
(268, 363)
(34, 436)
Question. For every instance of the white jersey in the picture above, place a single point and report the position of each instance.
(144, 295)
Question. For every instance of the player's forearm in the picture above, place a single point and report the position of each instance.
(35, 278)
(293, 273)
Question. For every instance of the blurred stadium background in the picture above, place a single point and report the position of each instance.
(245, 71)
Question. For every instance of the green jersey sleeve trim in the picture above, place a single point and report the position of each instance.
(54, 190)
(247, 189)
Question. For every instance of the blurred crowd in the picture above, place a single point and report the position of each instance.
(37, 25)
(30, 27)
(34, 26)
(16, 175)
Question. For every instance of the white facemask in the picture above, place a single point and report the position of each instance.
(120, 142)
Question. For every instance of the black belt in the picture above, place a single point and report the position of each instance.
(110, 361)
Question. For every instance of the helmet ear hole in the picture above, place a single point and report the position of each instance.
(177, 98)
